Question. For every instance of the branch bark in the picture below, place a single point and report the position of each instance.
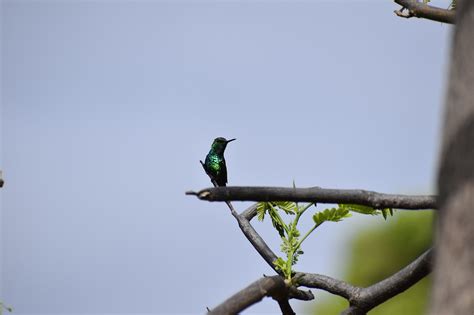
(413, 8)
(274, 287)
(363, 300)
(318, 195)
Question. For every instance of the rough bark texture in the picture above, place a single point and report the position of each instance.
(453, 288)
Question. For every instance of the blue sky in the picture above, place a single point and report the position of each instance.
(107, 107)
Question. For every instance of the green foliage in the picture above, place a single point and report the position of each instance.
(367, 210)
(289, 233)
(333, 214)
(379, 251)
(280, 264)
(287, 206)
(271, 209)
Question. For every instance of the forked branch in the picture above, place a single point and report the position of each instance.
(361, 300)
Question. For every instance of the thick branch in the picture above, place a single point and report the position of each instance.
(274, 287)
(363, 300)
(318, 195)
(412, 8)
(331, 285)
(398, 282)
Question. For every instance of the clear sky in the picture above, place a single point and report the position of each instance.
(107, 107)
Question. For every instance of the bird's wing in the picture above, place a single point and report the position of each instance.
(224, 173)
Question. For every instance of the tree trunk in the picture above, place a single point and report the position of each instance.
(453, 287)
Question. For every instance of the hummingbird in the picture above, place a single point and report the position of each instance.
(214, 164)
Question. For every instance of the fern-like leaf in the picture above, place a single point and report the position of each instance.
(333, 215)
(287, 206)
(262, 208)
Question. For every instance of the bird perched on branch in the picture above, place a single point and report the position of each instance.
(214, 164)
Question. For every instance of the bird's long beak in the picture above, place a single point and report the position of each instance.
(231, 140)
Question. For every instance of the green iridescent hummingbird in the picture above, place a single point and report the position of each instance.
(214, 164)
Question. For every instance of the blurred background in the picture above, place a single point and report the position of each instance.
(107, 107)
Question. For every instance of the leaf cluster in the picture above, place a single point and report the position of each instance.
(271, 208)
(290, 235)
(367, 210)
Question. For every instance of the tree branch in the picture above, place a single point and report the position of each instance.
(257, 241)
(250, 212)
(274, 287)
(317, 195)
(262, 248)
(421, 10)
(363, 300)
(398, 282)
(331, 285)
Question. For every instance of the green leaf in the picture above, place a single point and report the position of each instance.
(333, 215)
(367, 210)
(262, 207)
(276, 220)
(296, 255)
(295, 233)
(280, 264)
(359, 208)
(386, 212)
(285, 245)
(287, 206)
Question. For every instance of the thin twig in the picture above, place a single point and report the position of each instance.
(257, 241)
(317, 195)
(413, 8)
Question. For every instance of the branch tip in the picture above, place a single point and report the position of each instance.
(423, 10)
